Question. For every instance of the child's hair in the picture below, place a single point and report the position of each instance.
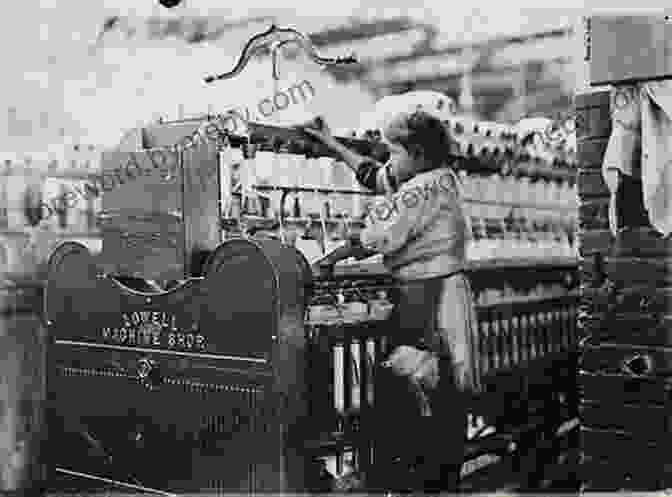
(421, 133)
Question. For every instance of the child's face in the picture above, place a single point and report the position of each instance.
(402, 164)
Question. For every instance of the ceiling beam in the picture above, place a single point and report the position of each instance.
(424, 50)
(479, 76)
(491, 44)
(362, 31)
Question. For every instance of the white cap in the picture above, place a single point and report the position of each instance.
(434, 103)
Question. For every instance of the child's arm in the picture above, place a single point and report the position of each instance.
(392, 222)
(370, 173)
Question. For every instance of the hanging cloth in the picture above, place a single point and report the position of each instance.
(640, 147)
(657, 154)
(622, 156)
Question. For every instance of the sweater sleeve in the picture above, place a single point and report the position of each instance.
(415, 208)
(400, 218)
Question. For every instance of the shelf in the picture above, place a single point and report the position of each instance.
(65, 173)
(305, 189)
(522, 262)
(505, 302)
(523, 205)
(468, 200)
(59, 234)
(372, 269)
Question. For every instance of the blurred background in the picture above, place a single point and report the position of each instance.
(76, 80)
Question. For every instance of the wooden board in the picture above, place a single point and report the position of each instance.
(160, 216)
(202, 230)
(142, 217)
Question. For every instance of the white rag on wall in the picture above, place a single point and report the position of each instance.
(657, 154)
(642, 124)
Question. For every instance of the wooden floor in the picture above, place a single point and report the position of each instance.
(547, 467)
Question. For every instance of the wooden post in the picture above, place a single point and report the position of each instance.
(23, 344)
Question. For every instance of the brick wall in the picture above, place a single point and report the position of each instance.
(625, 316)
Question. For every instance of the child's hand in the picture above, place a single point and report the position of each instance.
(357, 250)
(359, 253)
(326, 265)
(420, 366)
(318, 128)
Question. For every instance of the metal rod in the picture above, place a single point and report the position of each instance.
(303, 189)
(468, 200)
(280, 36)
(159, 351)
(115, 482)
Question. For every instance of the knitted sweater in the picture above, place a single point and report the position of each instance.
(420, 229)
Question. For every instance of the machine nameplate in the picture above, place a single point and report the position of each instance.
(153, 328)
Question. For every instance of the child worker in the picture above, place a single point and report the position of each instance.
(421, 230)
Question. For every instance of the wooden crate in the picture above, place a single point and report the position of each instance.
(160, 216)
(617, 53)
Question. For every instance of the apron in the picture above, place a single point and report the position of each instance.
(438, 311)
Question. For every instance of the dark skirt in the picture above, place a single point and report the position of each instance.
(420, 453)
